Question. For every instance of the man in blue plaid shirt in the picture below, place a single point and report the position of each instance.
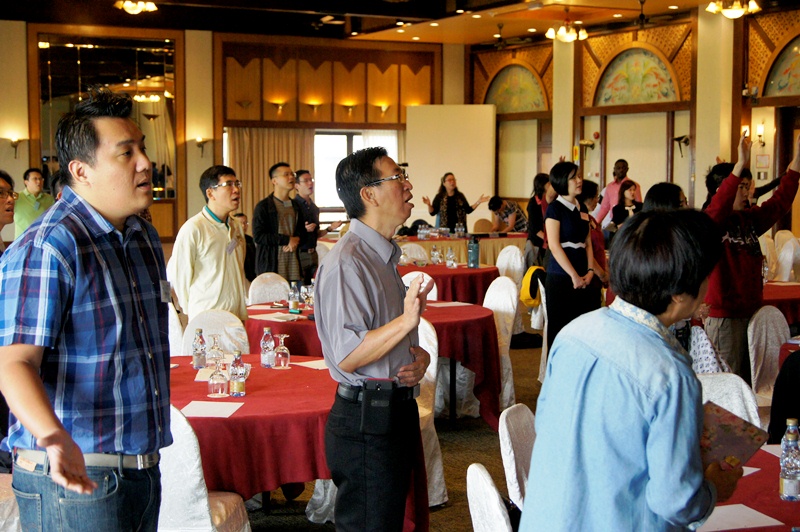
(83, 329)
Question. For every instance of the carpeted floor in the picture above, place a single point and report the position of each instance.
(463, 442)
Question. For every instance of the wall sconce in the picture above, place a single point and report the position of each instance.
(760, 134)
(201, 142)
(384, 107)
(14, 144)
(314, 106)
(586, 144)
(350, 108)
(682, 141)
(278, 106)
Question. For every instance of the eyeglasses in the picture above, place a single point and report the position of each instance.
(286, 174)
(402, 176)
(4, 194)
(309, 180)
(237, 184)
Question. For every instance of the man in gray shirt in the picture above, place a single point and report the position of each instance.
(367, 324)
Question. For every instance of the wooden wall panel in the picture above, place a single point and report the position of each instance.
(349, 91)
(415, 89)
(315, 92)
(382, 91)
(163, 213)
(279, 96)
(243, 84)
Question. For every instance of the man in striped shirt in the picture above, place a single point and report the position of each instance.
(83, 329)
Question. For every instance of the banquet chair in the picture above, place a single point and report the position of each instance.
(175, 331)
(729, 391)
(768, 249)
(766, 332)
(517, 434)
(9, 511)
(437, 489)
(502, 298)
(486, 507)
(322, 250)
(186, 503)
(232, 334)
(781, 237)
(705, 358)
(268, 287)
(788, 264)
(415, 251)
(410, 276)
(482, 225)
(511, 264)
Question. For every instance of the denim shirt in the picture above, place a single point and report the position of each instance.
(618, 427)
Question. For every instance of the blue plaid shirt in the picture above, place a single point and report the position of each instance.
(90, 295)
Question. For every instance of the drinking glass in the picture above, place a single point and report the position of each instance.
(281, 353)
(307, 293)
(218, 382)
(214, 353)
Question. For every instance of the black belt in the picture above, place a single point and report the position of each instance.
(354, 394)
(309, 251)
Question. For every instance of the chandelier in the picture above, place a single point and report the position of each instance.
(134, 8)
(733, 9)
(566, 32)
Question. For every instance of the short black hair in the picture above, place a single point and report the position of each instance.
(495, 202)
(621, 161)
(57, 181)
(76, 135)
(714, 179)
(353, 173)
(301, 172)
(539, 183)
(276, 166)
(559, 176)
(7, 178)
(29, 171)
(625, 185)
(589, 191)
(663, 197)
(211, 177)
(659, 254)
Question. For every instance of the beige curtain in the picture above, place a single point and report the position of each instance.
(251, 151)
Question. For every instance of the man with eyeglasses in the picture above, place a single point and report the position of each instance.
(304, 185)
(279, 227)
(33, 201)
(207, 265)
(367, 324)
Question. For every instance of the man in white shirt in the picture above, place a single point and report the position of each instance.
(207, 265)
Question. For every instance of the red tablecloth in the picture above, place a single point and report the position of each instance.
(466, 333)
(786, 297)
(786, 350)
(458, 284)
(759, 491)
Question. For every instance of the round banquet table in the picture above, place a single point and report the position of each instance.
(277, 436)
(458, 284)
(759, 491)
(784, 296)
(466, 334)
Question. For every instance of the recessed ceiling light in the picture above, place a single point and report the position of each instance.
(531, 30)
(496, 35)
(579, 22)
(353, 33)
(459, 11)
(617, 15)
(401, 30)
(414, 38)
(434, 24)
(476, 16)
(399, 23)
(672, 7)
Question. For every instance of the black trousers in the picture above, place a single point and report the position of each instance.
(565, 303)
(372, 473)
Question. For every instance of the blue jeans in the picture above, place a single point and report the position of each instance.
(125, 499)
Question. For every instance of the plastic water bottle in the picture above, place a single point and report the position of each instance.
(450, 258)
(238, 375)
(436, 257)
(294, 298)
(267, 349)
(790, 463)
(474, 253)
(198, 350)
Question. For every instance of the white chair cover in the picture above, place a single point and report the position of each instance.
(502, 298)
(482, 225)
(322, 250)
(517, 434)
(543, 358)
(414, 251)
(766, 332)
(788, 266)
(9, 511)
(322, 505)
(175, 332)
(410, 276)
(781, 237)
(770, 252)
(705, 358)
(268, 287)
(467, 405)
(233, 336)
(437, 490)
(486, 508)
(729, 391)
(511, 263)
(186, 504)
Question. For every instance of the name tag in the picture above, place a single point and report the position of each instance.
(584, 217)
(166, 295)
(232, 245)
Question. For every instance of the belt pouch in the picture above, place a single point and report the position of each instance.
(376, 407)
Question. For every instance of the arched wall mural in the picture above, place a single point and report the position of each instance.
(516, 89)
(784, 75)
(639, 74)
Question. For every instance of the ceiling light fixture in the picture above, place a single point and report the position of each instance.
(733, 9)
(134, 8)
(566, 32)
